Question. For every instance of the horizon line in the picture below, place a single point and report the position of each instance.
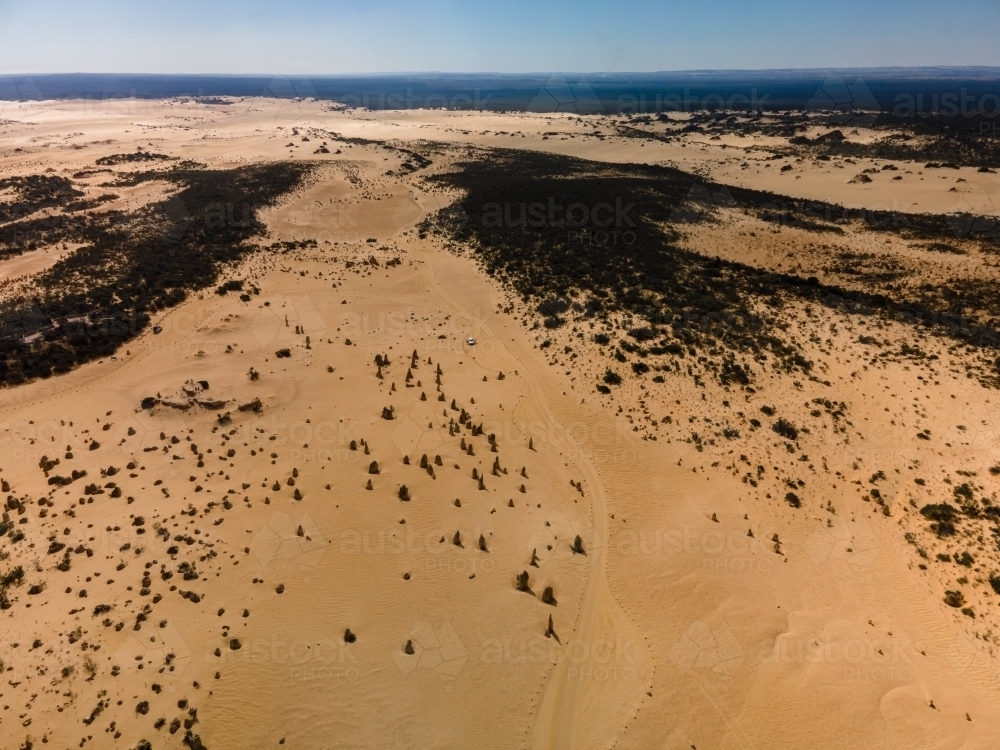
(689, 71)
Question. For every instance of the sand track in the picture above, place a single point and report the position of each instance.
(575, 711)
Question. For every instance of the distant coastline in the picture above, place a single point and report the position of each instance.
(930, 89)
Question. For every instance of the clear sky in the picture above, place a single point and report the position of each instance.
(515, 36)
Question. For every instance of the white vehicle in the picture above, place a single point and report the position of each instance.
(470, 341)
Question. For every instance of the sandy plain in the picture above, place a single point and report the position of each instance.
(259, 594)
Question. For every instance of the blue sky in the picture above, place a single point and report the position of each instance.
(516, 36)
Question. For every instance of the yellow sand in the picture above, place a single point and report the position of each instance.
(675, 630)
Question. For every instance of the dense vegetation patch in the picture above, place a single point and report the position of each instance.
(33, 193)
(936, 138)
(131, 264)
(587, 239)
(137, 156)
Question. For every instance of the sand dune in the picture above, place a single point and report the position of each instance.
(307, 510)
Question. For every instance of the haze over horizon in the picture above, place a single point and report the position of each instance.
(307, 37)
